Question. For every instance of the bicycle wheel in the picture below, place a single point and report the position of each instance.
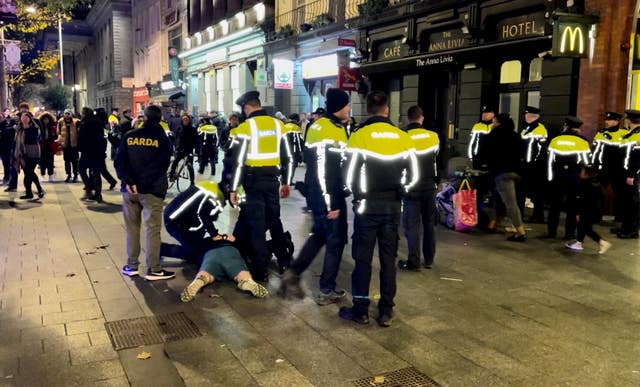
(183, 180)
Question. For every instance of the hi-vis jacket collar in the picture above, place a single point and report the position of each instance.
(377, 119)
(256, 113)
(326, 131)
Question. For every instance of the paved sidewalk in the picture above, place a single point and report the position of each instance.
(489, 313)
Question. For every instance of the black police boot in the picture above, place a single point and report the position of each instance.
(290, 286)
(349, 314)
(407, 265)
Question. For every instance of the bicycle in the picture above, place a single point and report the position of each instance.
(182, 175)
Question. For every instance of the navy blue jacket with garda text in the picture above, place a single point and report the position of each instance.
(143, 159)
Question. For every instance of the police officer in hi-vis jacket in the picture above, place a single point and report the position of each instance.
(382, 166)
(608, 157)
(262, 166)
(568, 152)
(631, 193)
(326, 141)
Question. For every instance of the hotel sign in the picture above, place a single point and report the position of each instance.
(447, 40)
(521, 27)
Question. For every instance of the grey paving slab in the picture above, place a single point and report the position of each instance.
(157, 366)
(73, 341)
(91, 354)
(92, 325)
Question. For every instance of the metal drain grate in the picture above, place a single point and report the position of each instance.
(406, 377)
(150, 330)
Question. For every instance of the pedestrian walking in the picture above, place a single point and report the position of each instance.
(93, 148)
(142, 163)
(263, 163)
(50, 129)
(68, 136)
(419, 204)
(382, 166)
(27, 154)
(504, 165)
(326, 142)
(7, 150)
(589, 210)
(208, 143)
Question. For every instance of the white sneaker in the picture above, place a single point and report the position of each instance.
(577, 246)
(604, 246)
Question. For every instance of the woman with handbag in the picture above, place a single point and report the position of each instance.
(28, 153)
(504, 162)
(50, 134)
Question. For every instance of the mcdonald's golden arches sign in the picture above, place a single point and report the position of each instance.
(573, 37)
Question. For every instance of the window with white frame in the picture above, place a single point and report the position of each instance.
(220, 89)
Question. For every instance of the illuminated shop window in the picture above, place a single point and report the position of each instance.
(510, 103)
(533, 98)
(510, 72)
(535, 70)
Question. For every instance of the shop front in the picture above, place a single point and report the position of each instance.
(140, 100)
(219, 72)
(453, 61)
(316, 63)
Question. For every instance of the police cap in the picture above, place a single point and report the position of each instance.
(573, 122)
(248, 96)
(612, 116)
(319, 111)
(488, 109)
(532, 110)
(633, 114)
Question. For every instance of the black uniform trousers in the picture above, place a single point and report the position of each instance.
(261, 211)
(564, 190)
(630, 202)
(209, 156)
(329, 232)
(419, 210)
(533, 185)
(367, 230)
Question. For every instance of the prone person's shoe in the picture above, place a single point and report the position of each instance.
(249, 285)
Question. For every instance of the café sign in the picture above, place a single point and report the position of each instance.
(521, 27)
(391, 50)
(447, 40)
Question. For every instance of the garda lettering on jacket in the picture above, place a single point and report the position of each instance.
(384, 135)
(143, 142)
(267, 133)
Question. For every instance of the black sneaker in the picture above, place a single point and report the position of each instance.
(26, 197)
(41, 194)
(348, 314)
(9, 189)
(517, 238)
(130, 271)
(75, 178)
(159, 275)
(112, 186)
(406, 265)
(68, 179)
(385, 320)
(95, 198)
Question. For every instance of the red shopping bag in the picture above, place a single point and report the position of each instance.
(465, 209)
(56, 147)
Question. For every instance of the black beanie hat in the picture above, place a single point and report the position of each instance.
(336, 100)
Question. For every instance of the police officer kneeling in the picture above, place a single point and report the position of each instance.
(381, 161)
(190, 219)
(262, 157)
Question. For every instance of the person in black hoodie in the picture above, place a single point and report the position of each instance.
(93, 148)
(7, 146)
(141, 163)
(502, 147)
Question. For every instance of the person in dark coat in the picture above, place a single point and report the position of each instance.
(502, 153)
(7, 146)
(27, 153)
(50, 134)
(93, 148)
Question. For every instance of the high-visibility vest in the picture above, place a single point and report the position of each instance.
(536, 136)
(568, 145)
(478, 130)
(264, 135)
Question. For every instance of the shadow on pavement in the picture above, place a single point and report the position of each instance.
(105, 207)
